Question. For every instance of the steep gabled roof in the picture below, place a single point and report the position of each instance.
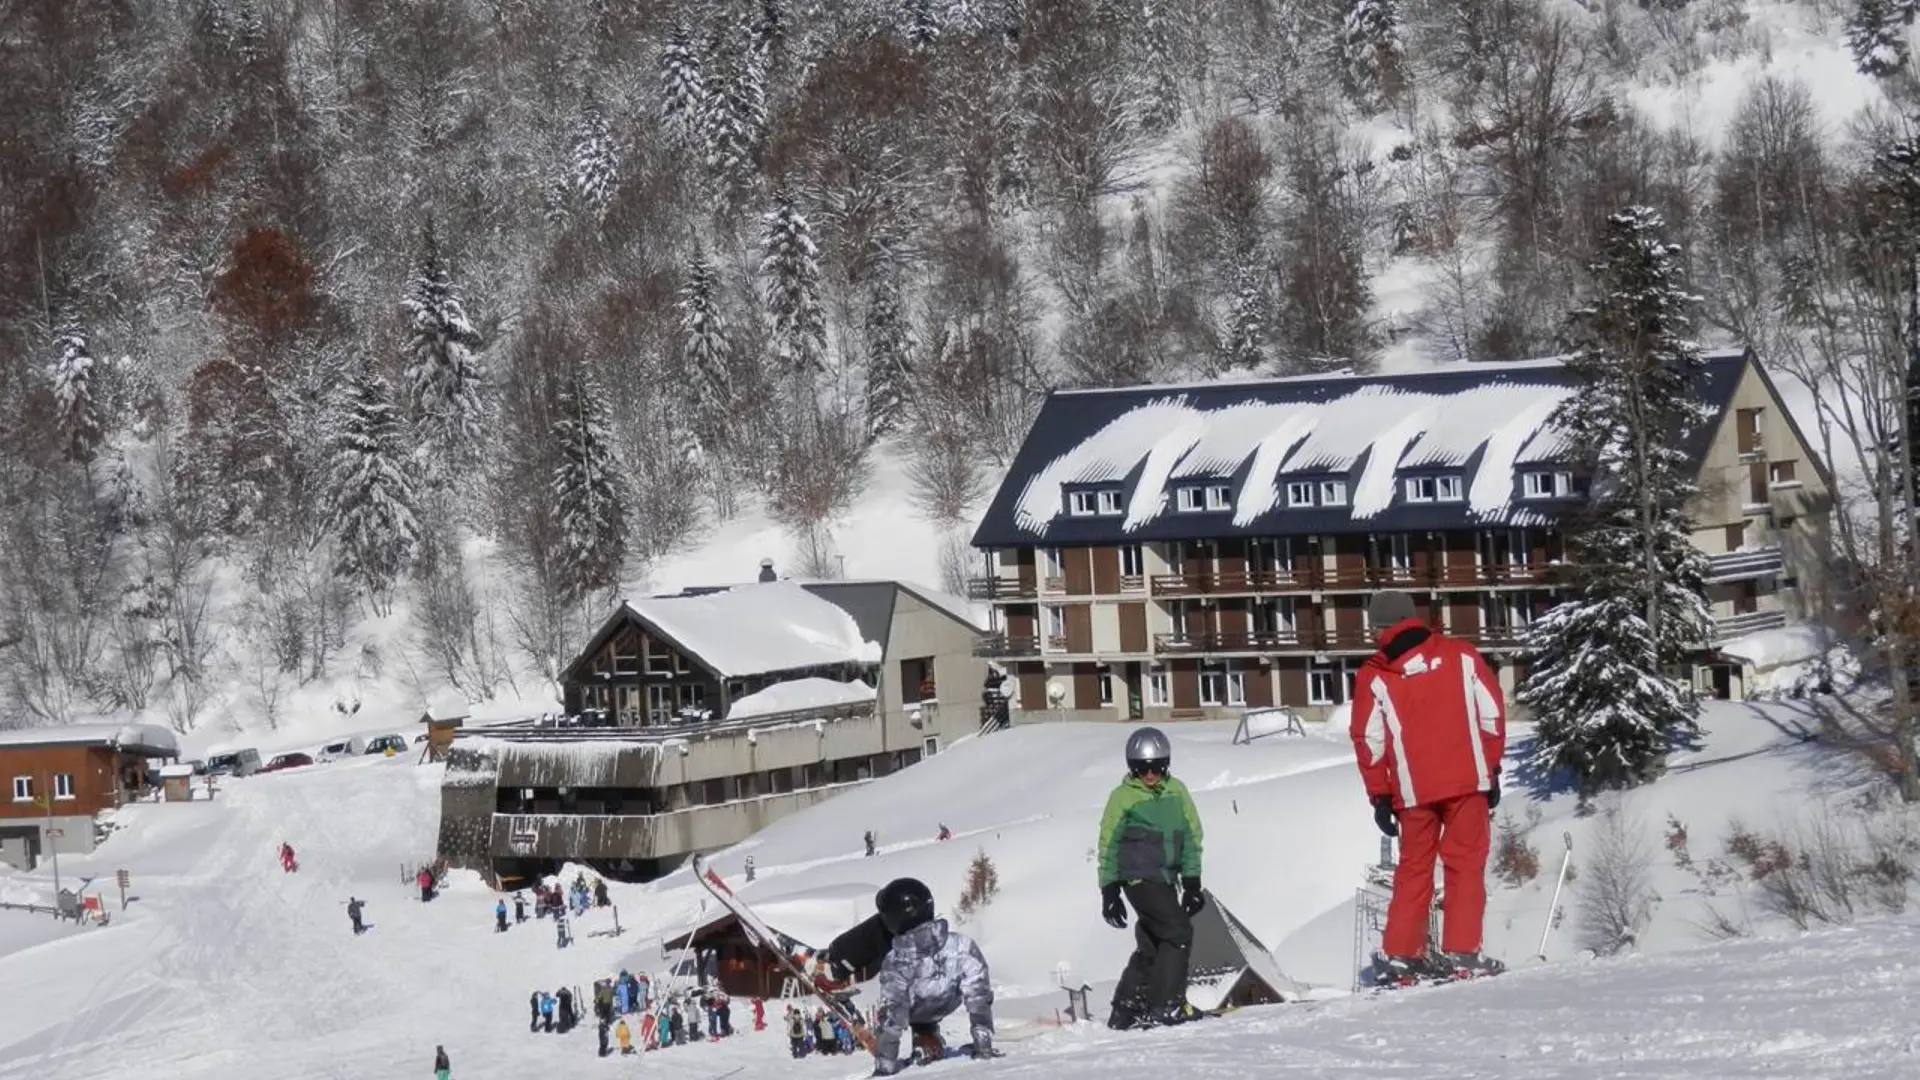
(1482, 421)
(756, 629)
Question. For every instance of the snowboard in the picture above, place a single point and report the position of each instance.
(834, 1002)
(919, 1060)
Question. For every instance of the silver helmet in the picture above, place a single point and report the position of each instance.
(1148, 750)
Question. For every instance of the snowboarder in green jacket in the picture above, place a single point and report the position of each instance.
(1149, 843)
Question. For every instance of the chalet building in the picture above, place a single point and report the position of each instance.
(58, 778)
(1164, 553)
(710, 714)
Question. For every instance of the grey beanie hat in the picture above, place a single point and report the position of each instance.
(1387, 608)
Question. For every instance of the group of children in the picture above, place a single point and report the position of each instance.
(820, 1033)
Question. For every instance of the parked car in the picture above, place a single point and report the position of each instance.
(381, 744)
(288, 761)
(342, 748)
(234, 763)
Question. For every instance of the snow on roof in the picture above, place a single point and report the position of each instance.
(150, 740)
(758, 628)
(797, 694)
(448, 704)
(1768, 649)
(181, 769)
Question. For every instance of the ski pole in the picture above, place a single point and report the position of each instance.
(1566, 860)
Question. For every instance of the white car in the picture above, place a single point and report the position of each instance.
(343, 748)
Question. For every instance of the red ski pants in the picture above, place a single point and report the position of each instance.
(1457, 830)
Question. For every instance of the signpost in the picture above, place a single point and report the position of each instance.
(120, 878)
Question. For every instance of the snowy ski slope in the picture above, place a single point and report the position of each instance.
(224, 967)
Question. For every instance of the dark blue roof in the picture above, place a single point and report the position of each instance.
(1254, 437)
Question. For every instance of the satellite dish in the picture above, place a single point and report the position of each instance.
(1056, 692)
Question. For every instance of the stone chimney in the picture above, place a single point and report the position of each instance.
(766, 571)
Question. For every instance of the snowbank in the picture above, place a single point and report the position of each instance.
(800, 694)
(1769, 649)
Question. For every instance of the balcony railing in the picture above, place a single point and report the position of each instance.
(1751, 622)
(999, 645)
(1741, 565)
(999, 588)
(1319, 579)
(1289, 641)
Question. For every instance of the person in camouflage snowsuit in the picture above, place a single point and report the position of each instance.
(929, 972)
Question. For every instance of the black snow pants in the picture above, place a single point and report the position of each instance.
(1155, 980)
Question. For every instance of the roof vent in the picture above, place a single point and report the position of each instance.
(766, 570)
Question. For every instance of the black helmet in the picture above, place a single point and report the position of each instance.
(904, 904)
(1148, 749)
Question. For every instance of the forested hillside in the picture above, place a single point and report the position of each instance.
(460, 314)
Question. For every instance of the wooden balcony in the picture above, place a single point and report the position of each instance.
(1744, 565)
(1751, 622)
(1288, 641)
(1358, 578)
(999, 588)
(1002, 645)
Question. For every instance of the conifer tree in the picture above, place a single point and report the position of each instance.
(703, 333)
(370, 489)
(444, 375)
(734, 118)
(683, 88)
(918, 23)
(79, 412)
(592, 171)
(790, 272)
(1637, 371)
(1246, 345)
(589, 495)
(1877, 35)
(890, 344)
(1373, 58)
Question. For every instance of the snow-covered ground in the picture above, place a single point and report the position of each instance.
(223, 966)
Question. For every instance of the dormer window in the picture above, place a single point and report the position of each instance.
(1420, 489)
(1333, 493)
(1300, 493)
(1546, 485)
(1450, 488)
(1212, 497)
(1102, 502)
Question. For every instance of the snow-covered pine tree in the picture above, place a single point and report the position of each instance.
(703, 333)
(790, 269)
(918, 23)
(890, 346)
(734, 118)
(370, 489)
(683, 88)
(589, 496)
(1637, 370)
(79, 412)
(1246, 344)
(1602, 709)
(444, 374)
(1877, 35)
(593, 169)
(1372, 56)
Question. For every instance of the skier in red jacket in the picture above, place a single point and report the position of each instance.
(1429, 728)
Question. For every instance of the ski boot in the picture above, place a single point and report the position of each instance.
(928, 1046)
(1393, 972)
(1452, 967)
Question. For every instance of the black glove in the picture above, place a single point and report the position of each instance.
(1493, 791)
(1383, 817)
(1112, 908)
(1191, 898)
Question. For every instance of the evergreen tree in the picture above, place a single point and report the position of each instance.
(79, 413)
(918, 23)
(704, 336)
(1877, 35)
(890, 345)
(593, 170)
(589, 496)
(1601, 707)
(1636, 371)
(444, 375)
(1372, 56)
(734, 119)
(791, 272)
(1246, 345)
(683, 87)
(371, 496)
